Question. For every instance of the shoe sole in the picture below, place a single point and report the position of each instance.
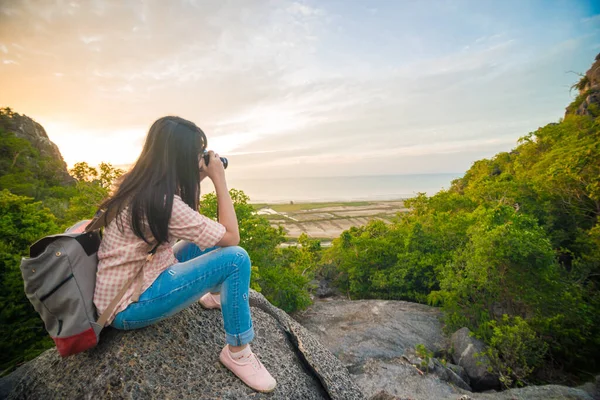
(258, 390)
(207, 307)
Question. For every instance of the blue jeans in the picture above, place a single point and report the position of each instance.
(224, 269)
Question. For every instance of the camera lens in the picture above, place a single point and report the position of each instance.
(207, 159)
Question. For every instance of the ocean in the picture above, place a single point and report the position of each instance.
(344, 188)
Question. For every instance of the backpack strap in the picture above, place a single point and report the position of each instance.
(136, 293)
(101, 219)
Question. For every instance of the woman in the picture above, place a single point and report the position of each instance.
(155, 204)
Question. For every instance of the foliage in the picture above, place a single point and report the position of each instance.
(23, 222)
(517, 277)
(517, 235)
(103, 176)
(424, 354)
(514, 350)
(282, 275)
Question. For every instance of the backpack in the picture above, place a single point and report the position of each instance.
(60, 279)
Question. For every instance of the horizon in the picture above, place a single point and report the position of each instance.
(290, 88)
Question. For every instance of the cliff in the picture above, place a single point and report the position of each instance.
(26, 128)
(588, 99)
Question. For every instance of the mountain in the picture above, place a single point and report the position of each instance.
(30, 163)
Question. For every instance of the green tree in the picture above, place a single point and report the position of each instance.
(22, 222)
(281, 275)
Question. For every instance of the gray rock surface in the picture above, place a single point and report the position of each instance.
(546, 392)
(460, 371)
(178, 359)
(592, 388)
(464, 349)
(384, 372)
(324, 288)
(357, 330)
(376, 340)
(398, 378)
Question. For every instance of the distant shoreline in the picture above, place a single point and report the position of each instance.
(318, 202)
(327, 220)
(338, 189)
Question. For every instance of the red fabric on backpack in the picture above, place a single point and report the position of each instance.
(76, 343)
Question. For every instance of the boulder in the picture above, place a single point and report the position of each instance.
(324, 288)
(376, 340)
(357, 330)
(382, 373)
(546, 392)
(397, 378)
(178, 358)
(464, 348)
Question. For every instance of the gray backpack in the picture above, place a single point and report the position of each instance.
(60, 279)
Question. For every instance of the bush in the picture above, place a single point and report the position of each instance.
(282, 275)
(514, 351)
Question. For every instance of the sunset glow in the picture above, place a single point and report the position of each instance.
(400, 87)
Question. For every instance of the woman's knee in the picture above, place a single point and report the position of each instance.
(242, 259)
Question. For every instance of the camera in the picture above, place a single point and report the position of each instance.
(207, 159)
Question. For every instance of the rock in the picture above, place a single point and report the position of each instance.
(460, 371)
(324, 289)
(593, 98)
(424, 365)
(365, 335)
(357, 330)
(178, 358)
(591, 91)
(449, 375)
(464, 348)
(376, 340)
(383, 395)
(400, 379)
(547, 392)
(26, 128)
(592, 388)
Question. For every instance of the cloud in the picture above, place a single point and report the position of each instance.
(289, 83)
(90, 39)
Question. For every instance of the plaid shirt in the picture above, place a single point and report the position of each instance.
(122, 253)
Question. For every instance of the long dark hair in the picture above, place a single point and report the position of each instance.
(168, 165)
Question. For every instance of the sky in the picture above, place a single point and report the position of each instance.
(297, 88)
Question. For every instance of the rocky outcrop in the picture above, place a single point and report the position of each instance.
(547, 392)
(467, 352)
(178, 358)
(376, 340)
(26, 128)
(358, 330)
(588, 100)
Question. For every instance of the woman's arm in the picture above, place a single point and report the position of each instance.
(216, 172)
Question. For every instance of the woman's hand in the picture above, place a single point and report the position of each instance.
(214, 170)
(226, 212)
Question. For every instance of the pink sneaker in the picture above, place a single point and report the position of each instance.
(250, 370)
(209, 301)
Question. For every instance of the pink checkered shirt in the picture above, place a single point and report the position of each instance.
(121, 253)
